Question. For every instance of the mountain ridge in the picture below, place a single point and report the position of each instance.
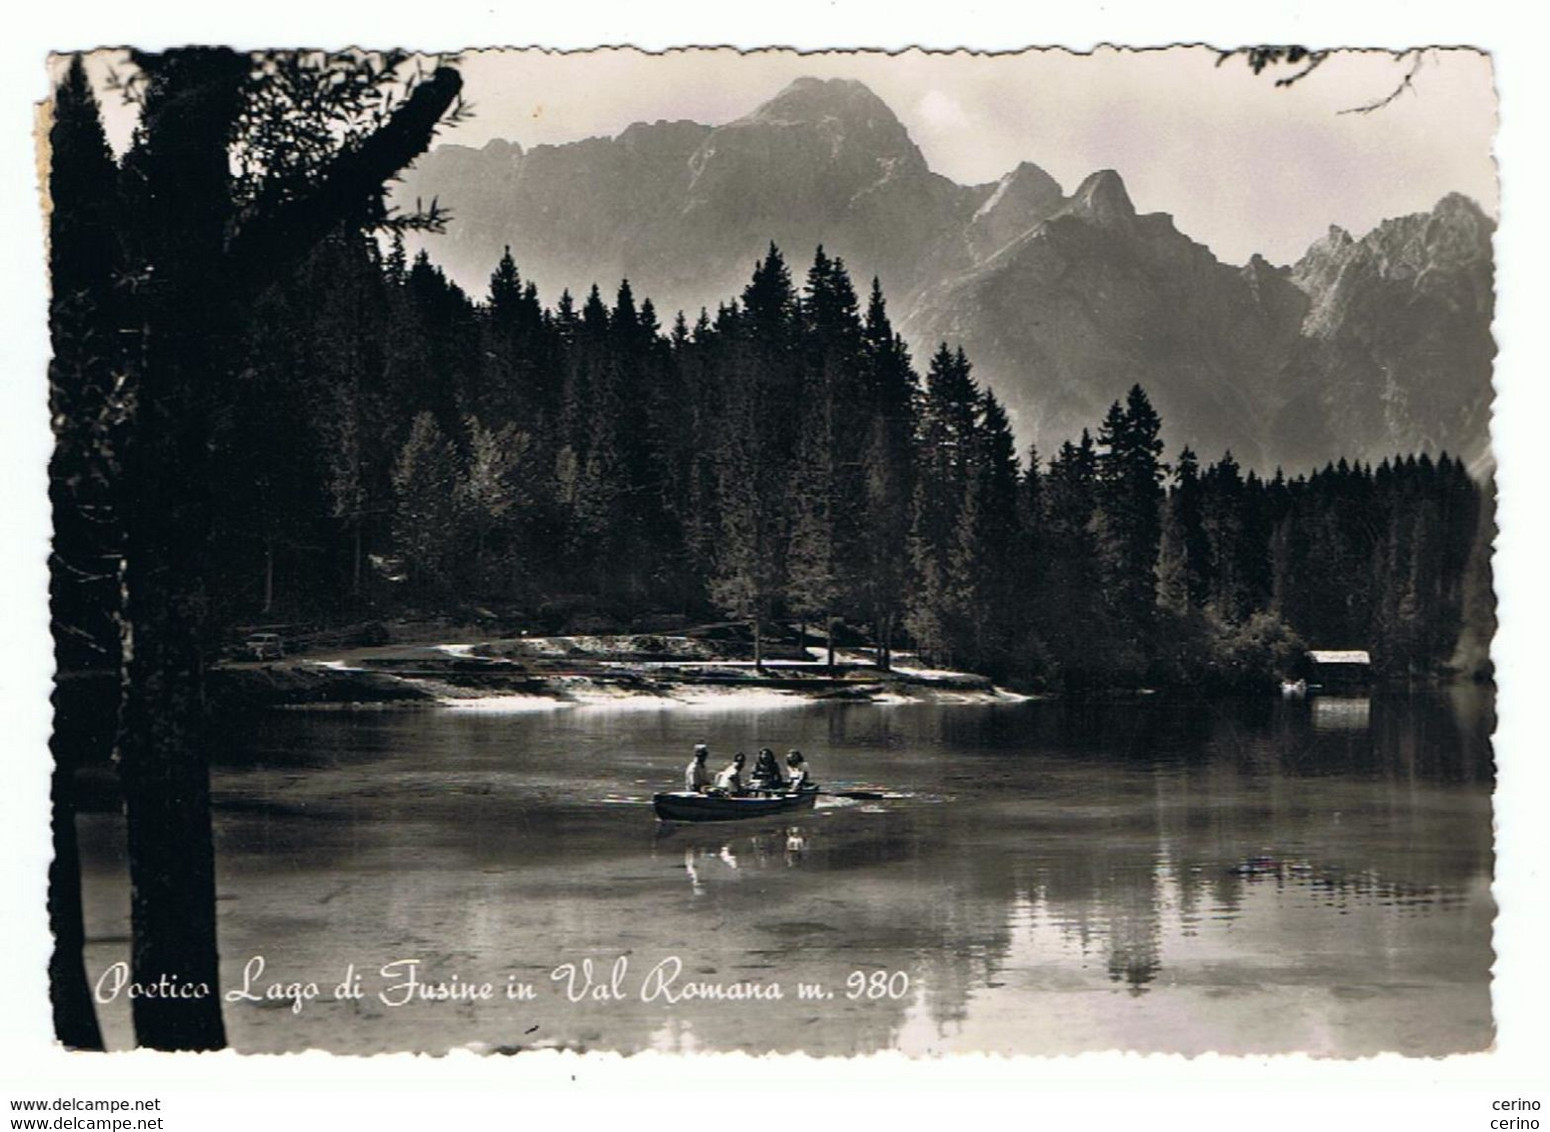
(1061, 301)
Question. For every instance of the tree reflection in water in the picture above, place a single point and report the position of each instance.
(1060, 876)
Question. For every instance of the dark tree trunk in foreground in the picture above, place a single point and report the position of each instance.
(180, 188)
(163, 757)
(75, 1015)
(200, 280)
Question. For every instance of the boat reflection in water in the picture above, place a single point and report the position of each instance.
(1050, 877)
(722, 859)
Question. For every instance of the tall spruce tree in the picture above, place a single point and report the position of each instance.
(517, 385)
(987, 574)
(87, 411)
(1190, 554)
(426, 514)
(949, 453)
(1072, 619)
(762, 388)
(893, 393)
(827, 531)
(813, 582)
(1222, 520)
(1128, 521)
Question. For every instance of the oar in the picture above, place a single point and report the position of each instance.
(853, 795)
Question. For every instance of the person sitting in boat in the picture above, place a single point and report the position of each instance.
(766, 772)
(798, 778)
(730, 780)
(697, 775)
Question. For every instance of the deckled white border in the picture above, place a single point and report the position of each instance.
(1110, 1090)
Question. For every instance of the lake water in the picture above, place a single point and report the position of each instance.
(1241, 876)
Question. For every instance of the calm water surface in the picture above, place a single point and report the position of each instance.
(1240, 876)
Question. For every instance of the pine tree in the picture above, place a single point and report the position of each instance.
(1128, 522)
(813, 570)
(829, 551)
(767, 333)
(489, 493)
(696, 502)
(1186, 504)
(396, 264)
(1222, 516)
(426, 513)
(988, 580)
(746, 576)
(505, 288)
(893, 392)
(762, 386)
(949, 448)
(1072, 618)
(84, 600)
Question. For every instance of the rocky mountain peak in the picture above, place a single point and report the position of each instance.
(837, 121)
(1455, 235)
(809, 100)
(1103, 199)
(1460, 207)
(1023, 198)
(1397, 339)
(803, 167)
(1259, 273)
(1458, 230)
(1336, 240)
(1026, 186)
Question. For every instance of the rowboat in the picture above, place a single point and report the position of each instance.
(681, 805)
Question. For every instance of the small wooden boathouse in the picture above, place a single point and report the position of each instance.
(1339, 668)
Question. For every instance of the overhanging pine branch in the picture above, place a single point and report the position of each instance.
(271, 243)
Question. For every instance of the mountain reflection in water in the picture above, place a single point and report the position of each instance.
(1237, 876)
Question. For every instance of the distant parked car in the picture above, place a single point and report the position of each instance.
(263, 646)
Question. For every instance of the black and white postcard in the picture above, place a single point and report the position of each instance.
(709, 552)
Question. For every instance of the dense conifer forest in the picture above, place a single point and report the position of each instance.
(388, 444)
(395, 444)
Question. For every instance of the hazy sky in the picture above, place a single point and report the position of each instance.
(1242, 165)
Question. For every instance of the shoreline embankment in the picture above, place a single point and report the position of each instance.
(537, 673)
